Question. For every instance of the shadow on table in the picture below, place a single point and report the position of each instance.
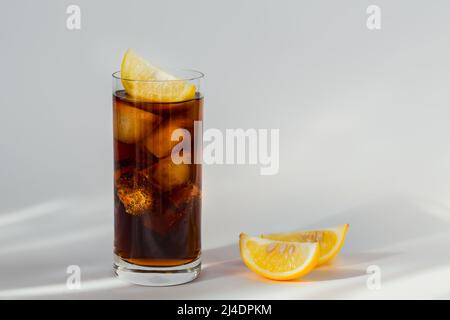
(333, 273)
(221, 262)
(390, 220)
(347, 266)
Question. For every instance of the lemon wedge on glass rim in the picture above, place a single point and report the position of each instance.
(143, 81)
(278, 260)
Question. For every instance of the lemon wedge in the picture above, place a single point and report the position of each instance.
(143, 81)
(278, 260)
(330, 240)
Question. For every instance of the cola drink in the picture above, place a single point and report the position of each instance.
(157, 202)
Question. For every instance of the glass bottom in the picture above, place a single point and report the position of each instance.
(156, 276)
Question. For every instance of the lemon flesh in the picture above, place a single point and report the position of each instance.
(330, 240)
(278, 260)
(143, 81)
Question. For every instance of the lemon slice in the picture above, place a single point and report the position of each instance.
(330, 240)
(278, 260)
(144, 81)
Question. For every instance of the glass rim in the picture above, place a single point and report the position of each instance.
(196, 75)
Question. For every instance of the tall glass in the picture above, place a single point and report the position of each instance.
(157, 180)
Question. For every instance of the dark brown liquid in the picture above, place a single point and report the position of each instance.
(157, 202)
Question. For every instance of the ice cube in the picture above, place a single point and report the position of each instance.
(184, 195)
(169, 175)
(134, 191)
(123, 152)
(134, 155)
(159, 142)
(135, 200)
(173, 208)
(132, 124)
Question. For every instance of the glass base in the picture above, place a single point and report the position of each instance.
(156, 276)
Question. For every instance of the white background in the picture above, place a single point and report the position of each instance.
(363, 118)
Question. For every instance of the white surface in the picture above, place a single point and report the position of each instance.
(364, 138)
(414, 262)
